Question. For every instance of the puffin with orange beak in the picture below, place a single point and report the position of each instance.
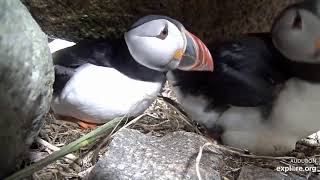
(98, 80)
(162, 43)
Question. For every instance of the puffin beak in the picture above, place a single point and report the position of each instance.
(317, 47)
(317, 44)
(196, 56)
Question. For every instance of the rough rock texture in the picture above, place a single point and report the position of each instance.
(209, 19)
(136, 156)
(26, 77)
(257, 173)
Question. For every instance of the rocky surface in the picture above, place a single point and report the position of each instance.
(26, 77)
(136, 156)
(211, 20)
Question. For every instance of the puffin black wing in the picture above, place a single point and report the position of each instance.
(68, 59)
(86, 51)
(111, 53)
(247, 72)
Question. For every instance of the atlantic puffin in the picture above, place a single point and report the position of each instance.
(293, 113)
(237, 91)
(98, 80)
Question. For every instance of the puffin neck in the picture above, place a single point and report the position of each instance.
(305, 71)
(123, 61)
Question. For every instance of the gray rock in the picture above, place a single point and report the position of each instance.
(26, 78)
(212, 21)
(257, 173)
(136, 156)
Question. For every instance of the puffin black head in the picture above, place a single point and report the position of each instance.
(163, 44)
(296, 32)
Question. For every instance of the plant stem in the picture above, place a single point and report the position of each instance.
(73, 146)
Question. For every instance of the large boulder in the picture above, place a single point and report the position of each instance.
(136, 156)
(26, 78)
(211, 20)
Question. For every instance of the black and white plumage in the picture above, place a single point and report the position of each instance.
(260, 96)
(160, 43)
(98, 80)
(296, 106)
(235, 101)
(245, 73)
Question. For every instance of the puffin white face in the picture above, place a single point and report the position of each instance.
(297, 35)
(163, 44)
(157, 44)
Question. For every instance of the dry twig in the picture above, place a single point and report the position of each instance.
(68, 158)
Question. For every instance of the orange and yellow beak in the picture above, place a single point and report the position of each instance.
(317, 44)
(178, 54)
(196, 57)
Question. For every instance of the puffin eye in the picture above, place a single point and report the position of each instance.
(164, 33)
(297, 22)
